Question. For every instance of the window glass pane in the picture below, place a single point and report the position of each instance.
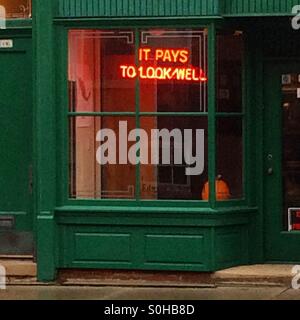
(96, 171)
(179, 171)
(173, 70)
(229, 159)
(167, 73)
(95, 77)
(230, 72)
(17, 9)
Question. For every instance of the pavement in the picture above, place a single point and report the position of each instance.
(147, 293)
(257, 282)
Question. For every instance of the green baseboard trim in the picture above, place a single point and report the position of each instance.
(46, 247)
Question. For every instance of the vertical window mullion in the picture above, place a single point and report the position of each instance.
(137, 110)
(212, 114)
(246, 128)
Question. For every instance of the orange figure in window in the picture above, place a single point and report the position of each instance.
(222, 190)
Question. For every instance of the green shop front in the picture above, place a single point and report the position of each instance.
(86, 86)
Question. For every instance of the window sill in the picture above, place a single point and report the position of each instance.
(152, 209)
(18, 24)
(153, 216)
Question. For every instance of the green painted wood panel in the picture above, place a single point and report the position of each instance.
(16, 131)
(188, 249)
(234, 241)
(135, 247)
(44, 139)
(113, 247)
(172, 8)
(151, 247)
(258, 7)
(137, 8)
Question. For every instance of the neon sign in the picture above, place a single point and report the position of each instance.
(165, 55)
(153, 71)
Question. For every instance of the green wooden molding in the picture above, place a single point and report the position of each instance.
(46, 247)
(172, 8)
(258, 7)
(19, 24)
(44, 106)
(212, 113)
(136, 8)
(44, 124)
(115, 219)
(124, 210)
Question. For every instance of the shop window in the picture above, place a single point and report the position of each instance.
(88, 178)
(230, 115)
(230, 156)
(230, 74)
(168, 179)
(188, 49)
(136, 86)
(95, 58)
(17, 9)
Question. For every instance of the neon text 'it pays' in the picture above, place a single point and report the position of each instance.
(150, 68)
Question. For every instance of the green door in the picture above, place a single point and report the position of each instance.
(282, 162)
(16, 219)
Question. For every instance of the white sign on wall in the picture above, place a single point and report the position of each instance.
(6, 43)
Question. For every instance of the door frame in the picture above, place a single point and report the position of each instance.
(24, 227)
(279, 246)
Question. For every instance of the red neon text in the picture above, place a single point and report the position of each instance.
(164, 55)
(164, 73)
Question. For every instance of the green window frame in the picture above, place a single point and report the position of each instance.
(212, 114)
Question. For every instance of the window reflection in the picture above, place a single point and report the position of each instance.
(169, 180)
(89, 180)
(230, 136)
(17, 9)
(230, 70)
(230, 156)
